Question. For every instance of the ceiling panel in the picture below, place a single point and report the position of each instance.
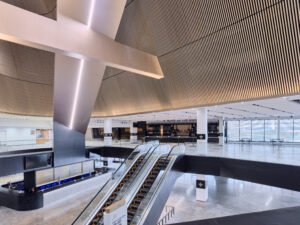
(252, 53)
(45, 8)
(211, 53)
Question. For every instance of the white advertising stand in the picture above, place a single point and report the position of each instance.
(201, 188)
(116, 214)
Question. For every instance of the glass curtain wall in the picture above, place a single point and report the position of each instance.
(296, 130)
(271, 130)
(287, 130)
(245, 130)
(258, 130)
(233, 130)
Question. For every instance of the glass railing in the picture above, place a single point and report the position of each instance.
(15, 145)
(123, 192)
(92, 208)
(145, 204)
(126, 190)
(138, 180)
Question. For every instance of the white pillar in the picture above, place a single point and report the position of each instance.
(221, 131)
(202, 125)
(201, 188)
(107, 131)
(133, 133)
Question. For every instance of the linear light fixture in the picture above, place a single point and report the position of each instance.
(76, 92)
(91, 13)
(81, 65)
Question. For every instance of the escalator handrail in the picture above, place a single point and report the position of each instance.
(140, 184)
(150, 148)
(106, 184)
(168, 168)
(156, 192)
(171, 150)
(142, 166)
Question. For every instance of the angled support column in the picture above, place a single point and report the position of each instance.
(82, 50)
(72, 38)
(76, 86)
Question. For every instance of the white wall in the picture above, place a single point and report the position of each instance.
(96, 123)
(22, 131)
(17, 136)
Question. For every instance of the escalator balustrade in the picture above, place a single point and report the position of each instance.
(161, 164)
(99, 216)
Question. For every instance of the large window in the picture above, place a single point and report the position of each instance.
(233, 131)
(258, 132)
(271, 130)
(245, 129)
(286, 130)
(296, 130)
(264, 130)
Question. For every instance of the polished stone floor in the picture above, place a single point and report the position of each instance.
(285, 154)
(62, 212)
(226, 197)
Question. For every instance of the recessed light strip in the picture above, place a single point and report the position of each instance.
(91, 13)
(76, 92)
(81, 65)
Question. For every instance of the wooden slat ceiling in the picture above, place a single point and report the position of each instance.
(211, 52)
(45, 8)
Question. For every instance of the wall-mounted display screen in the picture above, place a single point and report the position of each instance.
(36, 161)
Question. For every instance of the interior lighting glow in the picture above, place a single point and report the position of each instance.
(89, 23)
(91, 13)
(76, 93)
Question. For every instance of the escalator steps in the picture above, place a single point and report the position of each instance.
(149, 181)
(99, 215)
(145, 190)
(131, 213)
(134, 207)
(135, 204)
(137, 201)
(147, 185)
(141, 196)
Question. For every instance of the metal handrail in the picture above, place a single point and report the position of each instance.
(167, 217)
(106, 183)
(142, 166)
(160, 182)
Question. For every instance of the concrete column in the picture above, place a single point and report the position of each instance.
(133, 133)
(202, 125)
(107, 131)
(221, 131)
(201, 188)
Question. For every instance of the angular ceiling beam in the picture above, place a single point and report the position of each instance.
(72, 38)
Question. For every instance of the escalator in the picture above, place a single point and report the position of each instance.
(99, 216)
(111, 191)
(160, 165)
(139, 187)
(127, 183)
(147, 204)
